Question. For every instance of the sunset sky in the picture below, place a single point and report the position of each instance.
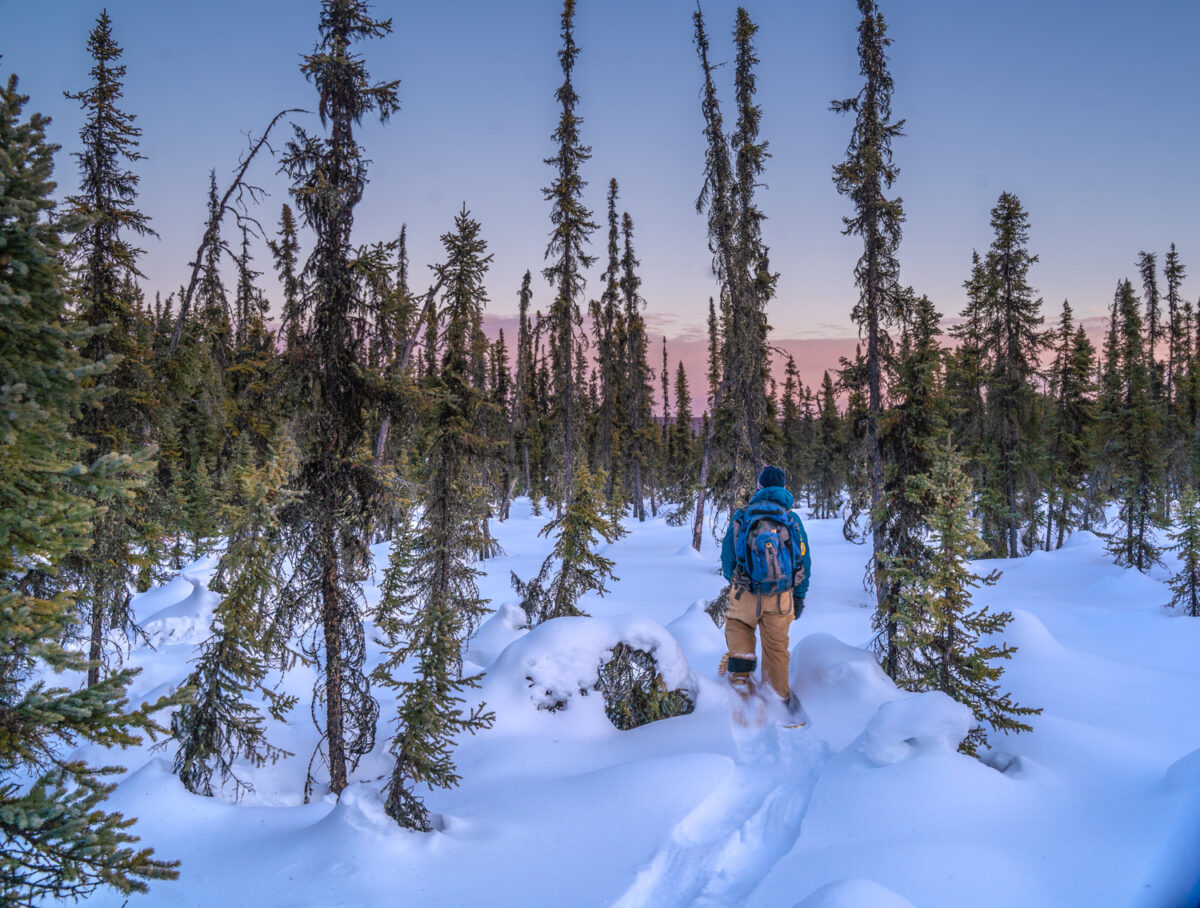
(1086, 110)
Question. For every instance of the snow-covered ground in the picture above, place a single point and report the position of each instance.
(870, 805)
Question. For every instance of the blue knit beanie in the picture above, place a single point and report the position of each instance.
(771, 476)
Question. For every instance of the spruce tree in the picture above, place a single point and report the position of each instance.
(58, 841)
(1014, 341)
(572, 228)
(1134, 427)
(608, 318)
(1185, 583)
(328, 176)
(828, 454)
(944, 625)
(1177, 331)
(286, 250)
(104, 247)
(715, 196)
(524, 402)
(573, 568)
(431, 601)
(1148, 269)
(908, 436)
(684, 444)
(746, 354)
(1071, 415)
(638, 382)
(865, 177)
(790, 424)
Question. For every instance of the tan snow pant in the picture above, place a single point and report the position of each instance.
(774, 620)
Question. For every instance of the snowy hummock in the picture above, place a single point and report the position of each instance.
(871, 805)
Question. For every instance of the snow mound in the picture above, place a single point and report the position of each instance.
(841, 686)
(508, 623)
(188, 620)
(926, 721)
(1027, 632)
(855, 893)
(1184, 773)
(560, 659)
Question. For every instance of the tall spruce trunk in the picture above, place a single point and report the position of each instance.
(95, 644)
(331, 626)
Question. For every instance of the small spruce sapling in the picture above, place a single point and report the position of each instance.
(580, 569)
(945, 625)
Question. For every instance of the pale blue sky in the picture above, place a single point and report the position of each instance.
(1086, 110)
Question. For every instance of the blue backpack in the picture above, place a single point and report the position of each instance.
(763, 548)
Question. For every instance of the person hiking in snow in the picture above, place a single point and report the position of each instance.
(765, 557)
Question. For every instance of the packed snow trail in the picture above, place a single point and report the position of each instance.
(719, 852)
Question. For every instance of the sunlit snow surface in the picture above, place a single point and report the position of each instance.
(869, 807)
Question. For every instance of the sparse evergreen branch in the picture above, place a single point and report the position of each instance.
(219, 725)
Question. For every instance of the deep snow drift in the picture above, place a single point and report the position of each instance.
(870, 805)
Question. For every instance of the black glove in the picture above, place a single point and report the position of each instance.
(798, 603)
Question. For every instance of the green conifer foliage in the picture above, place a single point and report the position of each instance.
(943, 624)
(430, 602)
(1185, 584)
(56, 840)
(219, 724)
(343, 493)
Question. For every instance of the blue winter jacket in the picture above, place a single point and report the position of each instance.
(782, 497)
